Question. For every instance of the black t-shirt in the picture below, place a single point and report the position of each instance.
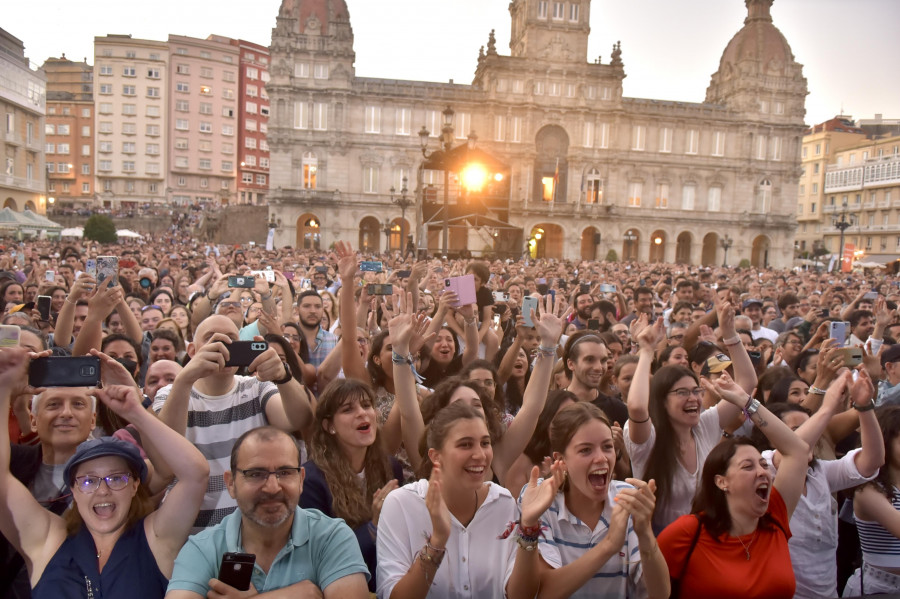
(614, 408)
(483, 297)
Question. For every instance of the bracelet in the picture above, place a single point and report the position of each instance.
(866, 407)
(68, 301)
(399, 360)
(548, 352)
(266, 298)
(815, 390)
(752, 407)
(736, 340)
(526, 544)
(471, 323)
(726, 435)
(288, 376)
(640, 421)
(433, 548)
(529, 533)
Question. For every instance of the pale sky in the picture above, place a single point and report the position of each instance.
(670, 48)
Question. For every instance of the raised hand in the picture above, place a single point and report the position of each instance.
(123, 400)
(82, 286)
(13, 365)
(639, 502)
(403, 324)
(347, 262)
(551, 321)
(112, 372)
(638, 325)
(378, 499)
(862, 390)
(536, 499)
(104, 300)
(650, 336)
(437, 508)
(727, 389)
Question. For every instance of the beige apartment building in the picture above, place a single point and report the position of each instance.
(203, 92)
(69, 132)
(22, 109)
(585, 169)
(131, 95)
(864, 180)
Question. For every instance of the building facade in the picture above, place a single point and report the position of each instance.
(69, 132)
(23, 182)
(253, 123)
(862, 183)
(584, 169)
(131, 94)
(203, 91)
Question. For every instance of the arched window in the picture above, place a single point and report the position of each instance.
(763, 198)
(310, 167)
(593, 186)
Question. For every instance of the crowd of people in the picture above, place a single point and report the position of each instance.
(561, 429)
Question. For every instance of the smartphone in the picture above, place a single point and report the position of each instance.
(852, 356)
(322, 269)
(9, 335)
(379, 289)
(268, 275)
(607, 288)
(107, 270)
(403, 274)
(463, 287)
(289, 275)
(500, 296)
(242, 353)
(755, 357)
(838, 330)
(593, 324)
(242, 282)
(64, 371)
(584, 289)
(90, 267)
(871, 295)
(528, 304)
(43, 306)
(50, 276)
(369, 266)
(236, 570)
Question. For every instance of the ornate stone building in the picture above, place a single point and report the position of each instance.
(584, 169)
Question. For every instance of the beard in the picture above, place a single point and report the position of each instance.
(267, 516)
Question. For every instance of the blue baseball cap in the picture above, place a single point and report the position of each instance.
(102, 447)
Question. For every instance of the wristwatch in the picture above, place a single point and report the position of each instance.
(287, 375)
(865, 407)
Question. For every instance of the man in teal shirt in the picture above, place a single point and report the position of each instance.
(295, 549)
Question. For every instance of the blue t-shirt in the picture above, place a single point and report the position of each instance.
(320, 549)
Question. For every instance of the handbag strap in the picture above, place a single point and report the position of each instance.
(676, 584)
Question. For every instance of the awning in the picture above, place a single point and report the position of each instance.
(878, 259)
(471, 221)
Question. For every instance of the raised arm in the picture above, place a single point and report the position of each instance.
(639, 425)
(290, 410)
(100, 305)
(471, 331)
(794, 451)
(504, 371)
(353, 364)
(168, 527)
(65, 320)
(549, 325)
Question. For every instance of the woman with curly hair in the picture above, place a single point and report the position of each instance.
(349, 472)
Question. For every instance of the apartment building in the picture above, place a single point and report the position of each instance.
(253, 124)
(131, 94)
(22, 110)
(69, 132)
(203, 92)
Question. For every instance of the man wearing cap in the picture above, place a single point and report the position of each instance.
(301, 552)
(715, 365)
(752, 309)
(889, 385)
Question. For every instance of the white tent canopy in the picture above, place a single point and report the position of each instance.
(72, 232)
(128, 233)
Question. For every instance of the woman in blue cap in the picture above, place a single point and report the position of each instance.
(111, 543)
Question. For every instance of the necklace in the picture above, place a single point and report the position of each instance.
(748, 545)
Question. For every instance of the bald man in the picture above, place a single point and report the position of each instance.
(160, 374)
(212, 406)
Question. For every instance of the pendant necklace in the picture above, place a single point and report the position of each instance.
(748, 545)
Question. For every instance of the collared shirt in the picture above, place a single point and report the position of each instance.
(476, 563)
(320, 549)
(814, 523)
(325, 343)
(568, 538)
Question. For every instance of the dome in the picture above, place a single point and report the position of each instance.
(758, 41)
(313, 16)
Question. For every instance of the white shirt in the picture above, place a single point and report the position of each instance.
(814, 524)
(476, 563)
(765, 333)
(707, 434)
(567, 538)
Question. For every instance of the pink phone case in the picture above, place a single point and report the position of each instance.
(464, 287)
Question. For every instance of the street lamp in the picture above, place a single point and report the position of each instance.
(403, 201)
(726, 243)
(842, 225)
(446, 141)
(629, 238)
(387, 236)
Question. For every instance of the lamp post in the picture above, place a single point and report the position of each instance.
(387, 236)
(726, 243)
(403, 201)
(446, 141)
(842, 225)
(629, 238)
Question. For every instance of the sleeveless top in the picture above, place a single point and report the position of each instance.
(131, 570)
(879, 547)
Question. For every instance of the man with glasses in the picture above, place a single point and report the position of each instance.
(302, 552)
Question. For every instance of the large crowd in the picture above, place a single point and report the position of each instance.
(410, 428)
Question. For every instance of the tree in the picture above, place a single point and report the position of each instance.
(612, 256)
(100, 227)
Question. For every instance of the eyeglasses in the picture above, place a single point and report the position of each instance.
(291, 337)
(229, 305)
(246, 300)
(361, 340)
(260, 476)
(151, 307)
(676, 337)
(685, 393)
(114, 482)
(793, 342)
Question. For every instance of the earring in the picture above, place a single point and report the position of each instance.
(725, 490)
(331, 431)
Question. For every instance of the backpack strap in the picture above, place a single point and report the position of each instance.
(676, 582)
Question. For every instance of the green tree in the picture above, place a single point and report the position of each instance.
(612, 256)
(100, 227)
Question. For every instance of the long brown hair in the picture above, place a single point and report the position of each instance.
(142, 505)
(663, 459)
(566, 424)
(439, 427)
(349, 502)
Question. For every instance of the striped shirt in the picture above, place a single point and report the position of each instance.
(214, 424)
(567, 538)
(879, 547)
